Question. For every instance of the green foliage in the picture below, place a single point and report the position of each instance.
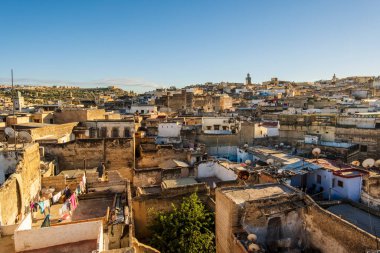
(186, 229)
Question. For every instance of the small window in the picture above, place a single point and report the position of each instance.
(364, 183)
(208, 127)
(115, 132)
(126, 132)
(103, 132)
(216, 127)
(340, 183)
(319, 179)
(363, 148)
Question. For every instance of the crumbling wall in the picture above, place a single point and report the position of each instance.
(154, 159)
(145, 208)
(116, 152)
(22, 186)
(56, 130)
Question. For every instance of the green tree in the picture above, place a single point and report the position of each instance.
(188, 228)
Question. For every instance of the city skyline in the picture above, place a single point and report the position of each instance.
(146, 45)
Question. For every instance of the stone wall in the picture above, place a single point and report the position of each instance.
(21, 187)
(116, 152)
(363, 137)
(146, 207)
(154, 159)
(57, 182)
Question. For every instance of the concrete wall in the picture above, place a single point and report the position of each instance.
(78, 115)
(117, 153)
(40, 238)
(169, 129)
(214, 169)
(329, 233)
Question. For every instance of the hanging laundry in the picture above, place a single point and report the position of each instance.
(41, 204)
(73, 202)
(56, 197)
(46, 222)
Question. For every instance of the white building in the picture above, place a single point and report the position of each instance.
(141, 109)
(220, 125)
(169, 129)
(18, 102)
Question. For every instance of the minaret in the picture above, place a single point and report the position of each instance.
(334, 79)
(248, 80)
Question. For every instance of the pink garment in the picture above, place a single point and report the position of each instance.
(73, 202)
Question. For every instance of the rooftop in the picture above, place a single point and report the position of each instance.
(172, 183)
(358, 217)
(242, 194)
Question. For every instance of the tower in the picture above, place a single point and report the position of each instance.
(248, 80)
(334, 79)
(18, 102)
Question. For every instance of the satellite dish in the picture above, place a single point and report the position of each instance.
(355, 163)
(10, 132)
(276, 146)
(377, 163)
(368, 163)
(316, 152)
(270, 161)
(151, 181)
(246, 145)
(198, 149)
(247, 161)
(243, 175)
(281, 144)
(253, 247)
(25, 137)
(191, 149)
(252, 237)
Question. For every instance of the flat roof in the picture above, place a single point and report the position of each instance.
(172, 183)
(243, 194)
(364, 220)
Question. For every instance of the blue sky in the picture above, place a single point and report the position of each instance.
(145, 44)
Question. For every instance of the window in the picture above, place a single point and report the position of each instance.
(126, 132)
(340, 183)
(115, 132)
(363, 148)
(92, 132)
(103, 132)
(333, 182)
(142, 111)
(364, 183)
(216, 127)
(319, 179)
(208, 127)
